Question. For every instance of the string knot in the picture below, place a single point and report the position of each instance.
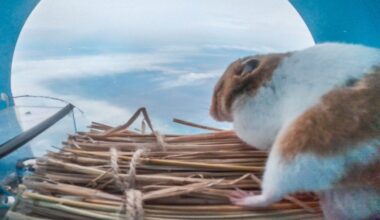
(133, 203)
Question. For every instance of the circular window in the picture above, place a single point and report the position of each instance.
(111, 57)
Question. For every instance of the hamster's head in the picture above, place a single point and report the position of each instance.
(245, 77)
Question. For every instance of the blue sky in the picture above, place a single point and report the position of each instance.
(111, 57)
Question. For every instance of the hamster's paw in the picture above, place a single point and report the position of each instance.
(248, 199)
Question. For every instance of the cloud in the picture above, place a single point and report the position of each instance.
(30, 77)
(91, 65)
(188, 79)
(74, 25)
(256, 49)
(98, 110)
(103, 111)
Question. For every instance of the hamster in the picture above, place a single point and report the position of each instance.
(317, 112)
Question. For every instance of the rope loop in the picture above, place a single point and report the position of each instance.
(133, 202)
(134, 205)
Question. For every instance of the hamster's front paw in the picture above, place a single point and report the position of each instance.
(248, 199)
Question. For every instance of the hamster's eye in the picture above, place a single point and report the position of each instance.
(249, 66)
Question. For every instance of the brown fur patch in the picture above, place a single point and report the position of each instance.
(362, 176)
(343, 119)
(233, 83)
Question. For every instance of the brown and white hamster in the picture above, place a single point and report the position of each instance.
(318, 112)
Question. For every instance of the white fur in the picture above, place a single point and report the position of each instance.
(257, 124)
(299, 82)
(308, 172)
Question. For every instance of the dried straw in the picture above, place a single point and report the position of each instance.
(115, 173)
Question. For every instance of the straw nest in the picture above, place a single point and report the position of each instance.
(115, 173)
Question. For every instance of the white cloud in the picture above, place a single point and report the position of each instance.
(98, 110)
(101, 111)
(148, 23)
(29, 75)
(90, 65)
(256, 49)
(188, 79)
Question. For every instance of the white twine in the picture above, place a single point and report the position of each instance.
(133, 203)
(160, 141)
(131, 178)
(115, 169)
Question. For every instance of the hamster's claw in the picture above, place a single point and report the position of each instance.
(248, 199)
(239, 197)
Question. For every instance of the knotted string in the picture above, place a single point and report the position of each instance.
(133, 203)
